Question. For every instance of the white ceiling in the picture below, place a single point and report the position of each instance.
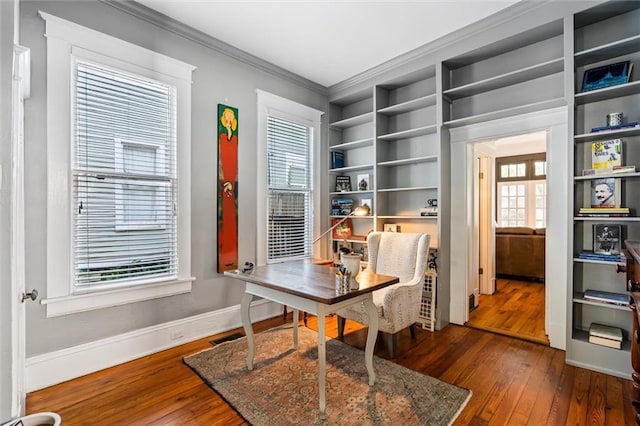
(327, 41)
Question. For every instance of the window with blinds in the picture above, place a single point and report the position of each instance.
(290, 192)
(124, 175)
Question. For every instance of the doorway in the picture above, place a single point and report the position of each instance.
(510, 210)
(463, 271)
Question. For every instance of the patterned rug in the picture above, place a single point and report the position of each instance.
(282, 389)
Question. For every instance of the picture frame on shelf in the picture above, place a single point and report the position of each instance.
(343, 183)
(605, 192)
(364, 182)
(606, 76)
(605, 155)
(391, 227)
(343, 231)
(607, 239)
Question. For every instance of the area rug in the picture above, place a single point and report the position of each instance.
(282, 389)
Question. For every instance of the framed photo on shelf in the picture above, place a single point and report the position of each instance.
(605, 155)
(391, 227)
(343, 183)
(605, 192)
(342, 231)
(606, 76)
(607, 239)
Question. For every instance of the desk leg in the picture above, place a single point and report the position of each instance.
(322, 358)
(248, 327)
(295, 329)
(371, 338)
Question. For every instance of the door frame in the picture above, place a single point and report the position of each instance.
(557, 258)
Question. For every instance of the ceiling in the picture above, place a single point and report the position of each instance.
(327, 41)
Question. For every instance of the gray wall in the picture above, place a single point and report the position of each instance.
(6, 41)
(218, 79)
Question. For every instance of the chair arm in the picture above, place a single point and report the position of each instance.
(401, 303)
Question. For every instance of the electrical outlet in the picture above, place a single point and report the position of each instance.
(175, 335)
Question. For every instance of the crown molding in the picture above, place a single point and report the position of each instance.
(169, 24)
(439, 45)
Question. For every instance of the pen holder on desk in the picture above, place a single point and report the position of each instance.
(352, 263)
(342, 283)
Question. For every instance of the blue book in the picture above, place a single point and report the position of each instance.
(606, 296)
(616, 127)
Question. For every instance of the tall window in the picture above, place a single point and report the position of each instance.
(124, 178)
(522, 191)
(118, 179)
(290, 162)
(288, 143)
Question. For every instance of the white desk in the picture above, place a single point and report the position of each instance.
(310, 288)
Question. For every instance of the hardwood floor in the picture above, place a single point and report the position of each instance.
(516, 309)
(514, 382)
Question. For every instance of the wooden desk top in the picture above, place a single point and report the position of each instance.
(313, 282)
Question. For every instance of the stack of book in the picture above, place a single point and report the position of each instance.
(589, 255)
(605, 335)
(607, 297)
(604, 212)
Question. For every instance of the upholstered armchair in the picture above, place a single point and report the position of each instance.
(403, 255)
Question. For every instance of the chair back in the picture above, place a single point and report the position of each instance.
(400, 254)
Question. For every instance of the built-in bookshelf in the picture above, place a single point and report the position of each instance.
(606, 34)
(388, 133)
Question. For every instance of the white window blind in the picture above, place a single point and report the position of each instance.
(124, 174)
(289, 175)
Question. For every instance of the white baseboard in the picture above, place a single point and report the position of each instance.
(56, 367)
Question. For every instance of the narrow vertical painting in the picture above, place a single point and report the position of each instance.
(227, 188)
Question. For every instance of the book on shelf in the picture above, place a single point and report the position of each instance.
(343, 183)
(605, 331)
(603, 214)
(342, 231)
(429, 211)
(337, 159)
(605, 210)
(341, 206)
(615, 127)
(607, 296)
(605, 193)
(615, 344)
(588, 255)
(607, 239)
(624, 169)
(606, 154)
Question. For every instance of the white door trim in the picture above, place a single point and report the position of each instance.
(555, 123)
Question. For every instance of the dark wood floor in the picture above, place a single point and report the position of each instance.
(514, 382)
(515, 309)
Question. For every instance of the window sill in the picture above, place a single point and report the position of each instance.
(87, 302)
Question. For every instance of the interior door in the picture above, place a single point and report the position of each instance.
(15, 80)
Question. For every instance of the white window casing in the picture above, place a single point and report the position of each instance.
(67, 45)
(275, 112)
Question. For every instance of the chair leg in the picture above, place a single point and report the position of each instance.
(391, 342)
(412, 329)
(341, 323)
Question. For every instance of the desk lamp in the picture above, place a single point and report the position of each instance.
(358, 211)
